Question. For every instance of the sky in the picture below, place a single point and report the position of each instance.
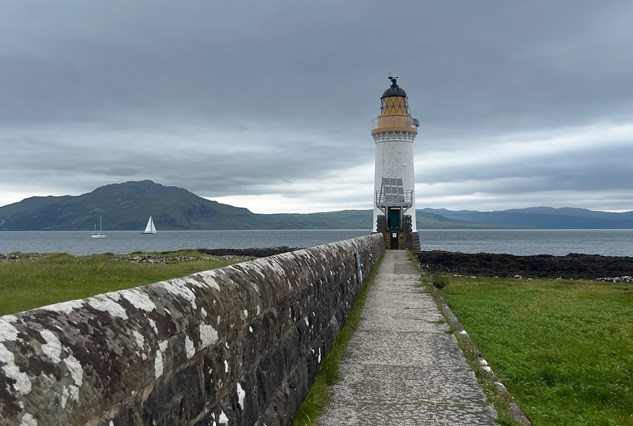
(268, 104)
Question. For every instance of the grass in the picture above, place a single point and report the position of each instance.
(564, 349)
(318, 396)
(58, 277)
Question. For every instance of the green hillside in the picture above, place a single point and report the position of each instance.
(126, 206)
(540, 218)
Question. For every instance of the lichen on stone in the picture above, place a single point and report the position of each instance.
(152, 324)
(108, 303)
(178, 287)
(8, 332)
(65, 307)
(139, 339)
(53, 347)
(208, 335)
(22, 383)
(28, 420)
(75, 369)
(240, 395)
(139, 298)
(189, 347)
(158, 364)
(208, 280)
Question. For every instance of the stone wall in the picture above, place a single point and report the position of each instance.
(237, 345)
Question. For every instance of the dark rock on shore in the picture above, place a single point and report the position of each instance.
(571, 266)
(19, 257)
(150, 258)
(250, 252)
(239, 254)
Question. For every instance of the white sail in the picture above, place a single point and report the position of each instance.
(100, 233)
(150, 228)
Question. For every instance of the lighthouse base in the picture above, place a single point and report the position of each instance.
(413, 243)
(402, 238)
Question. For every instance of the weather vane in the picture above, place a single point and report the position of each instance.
(394, 83)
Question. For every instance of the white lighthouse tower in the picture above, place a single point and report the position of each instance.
(394, 131)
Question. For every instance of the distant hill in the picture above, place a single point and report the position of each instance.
(123, 206)
(126, 206)
(539, 218)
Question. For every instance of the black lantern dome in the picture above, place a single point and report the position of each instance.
(394, 90)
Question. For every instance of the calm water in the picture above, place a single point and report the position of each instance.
(607, 242)
(521, 242)
(80, 243)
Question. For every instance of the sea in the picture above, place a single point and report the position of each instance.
(610, 242)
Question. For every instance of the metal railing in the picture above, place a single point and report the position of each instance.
(384, 200)
(396, 121)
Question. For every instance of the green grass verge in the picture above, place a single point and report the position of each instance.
(52, 278)
(318, 396)
(564, 349)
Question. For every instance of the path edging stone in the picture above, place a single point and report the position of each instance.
(471, 353)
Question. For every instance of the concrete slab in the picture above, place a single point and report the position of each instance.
(403, 367)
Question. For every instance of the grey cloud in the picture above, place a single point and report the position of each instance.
(230, 98)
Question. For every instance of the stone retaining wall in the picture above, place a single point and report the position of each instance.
(237, 345)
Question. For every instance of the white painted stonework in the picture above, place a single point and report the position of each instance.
(394, 158)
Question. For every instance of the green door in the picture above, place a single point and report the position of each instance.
(394, 220)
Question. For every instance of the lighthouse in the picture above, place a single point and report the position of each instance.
(394, 131)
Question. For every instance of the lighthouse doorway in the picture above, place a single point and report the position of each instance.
(393, 220)
(394, 217)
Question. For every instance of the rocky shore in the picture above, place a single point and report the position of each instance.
(571, 266)
(151, 258)
(250, 252)
(238, 254)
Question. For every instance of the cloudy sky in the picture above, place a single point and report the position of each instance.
(267, 104)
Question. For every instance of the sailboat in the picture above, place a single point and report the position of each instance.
(150, 228)
(98, 234)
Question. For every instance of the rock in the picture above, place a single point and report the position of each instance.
(571, 266)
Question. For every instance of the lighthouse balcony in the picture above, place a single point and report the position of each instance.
(395, 122)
